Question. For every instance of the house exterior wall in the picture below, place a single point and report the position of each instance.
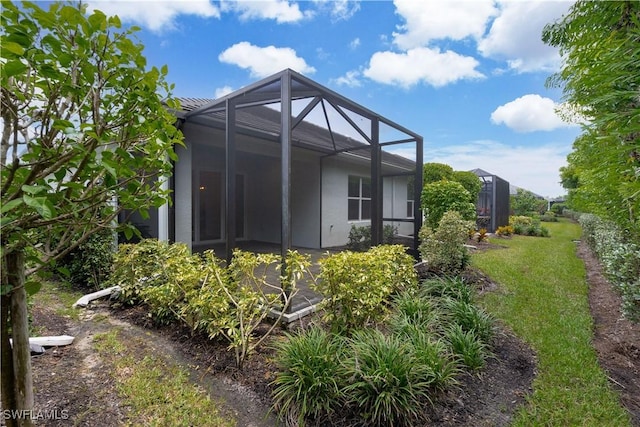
(335, 179)
(319, 191)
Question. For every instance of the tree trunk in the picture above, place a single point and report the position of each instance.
(6, 373)
(23, 381)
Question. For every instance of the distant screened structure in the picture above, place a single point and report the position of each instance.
(492, 206)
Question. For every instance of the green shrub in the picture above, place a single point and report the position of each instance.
(387, 384)
(468, 346)
(434, 172)
(89, 265)
(631, 299)
(558, 208)
(228, 302)
(158, 274)
(444, 196)
(357, 285)
(526, 203)
(233, 302)
(521, 220)
(620, 259)
(443, 250)
(531, 230)
(208, 308)
(308, 382)
(549, 216)
(471, 182)
(528, 226)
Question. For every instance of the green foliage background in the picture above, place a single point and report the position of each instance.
(600, 77)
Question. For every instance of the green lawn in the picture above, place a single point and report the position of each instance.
(543, 298)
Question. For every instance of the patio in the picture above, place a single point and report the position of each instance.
(305, 297)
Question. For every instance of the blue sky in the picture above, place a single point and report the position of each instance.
(469, 76)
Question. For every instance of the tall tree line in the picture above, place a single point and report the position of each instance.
(600, 77)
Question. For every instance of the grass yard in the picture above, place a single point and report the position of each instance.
(156, 391)
(543, 297)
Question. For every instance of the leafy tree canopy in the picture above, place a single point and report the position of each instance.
(470, 182)
(600, 44)
(86, 136)
(433, 172)
(86, 133)
(525, 203)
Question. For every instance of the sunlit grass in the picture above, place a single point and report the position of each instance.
(157, 391)
(544, 298)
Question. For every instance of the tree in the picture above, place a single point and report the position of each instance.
(86, 136)
(443, 196)
(600, 77)
(433, 172)
(525, 203)
(471, 182)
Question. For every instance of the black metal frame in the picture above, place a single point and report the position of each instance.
(497, 190)
(284, 87)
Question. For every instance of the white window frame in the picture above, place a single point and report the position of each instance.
(360, 198)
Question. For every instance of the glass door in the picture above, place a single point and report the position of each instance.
(208, 205)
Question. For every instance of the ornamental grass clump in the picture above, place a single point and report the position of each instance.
(429, 350)
(308, 383)
(468, 346)
(471, 318)
(388, 386)
(449, 286)
(409, 308)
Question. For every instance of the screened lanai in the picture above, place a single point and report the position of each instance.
(310, 161)
(492, 207)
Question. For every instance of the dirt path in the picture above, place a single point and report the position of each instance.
(75, 380)
(616, 340)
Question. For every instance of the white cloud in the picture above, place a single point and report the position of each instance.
(422, 64)
(264, 61)
(529, 113)
(432, 20)
(340, 10)
(351, 79)
(222, 91)
(516, 35)
(157, 16)
(533, 168)
(282, 11)
(355, 43)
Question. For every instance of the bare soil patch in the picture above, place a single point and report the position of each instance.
(76, 380)
(616, 339)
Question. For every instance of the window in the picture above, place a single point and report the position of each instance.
(359, 198)
(410, 199)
